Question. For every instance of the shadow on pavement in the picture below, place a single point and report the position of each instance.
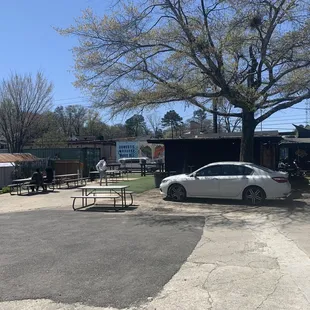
(39, 193)
(107, 209)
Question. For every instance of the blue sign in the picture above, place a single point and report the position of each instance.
(126, 149)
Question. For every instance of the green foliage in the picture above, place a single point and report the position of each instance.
(254, 54)
(5, 190)
(135, 126)
(173, 120)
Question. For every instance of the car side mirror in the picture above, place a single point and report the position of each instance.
(193, 175)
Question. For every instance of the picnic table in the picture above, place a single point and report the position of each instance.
(67, 178)
(18, 184)
(110, 173)
(111, 191)
(113, 166)
(26, 183)
(21, 181)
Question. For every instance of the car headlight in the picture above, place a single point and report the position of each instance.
(164, 181)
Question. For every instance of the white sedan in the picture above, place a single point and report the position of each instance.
(229, 180)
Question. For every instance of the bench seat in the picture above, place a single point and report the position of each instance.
(107, 196)
(17, 186)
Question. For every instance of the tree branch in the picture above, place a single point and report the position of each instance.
(282, 106)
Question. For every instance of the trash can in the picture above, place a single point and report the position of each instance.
(159, 176)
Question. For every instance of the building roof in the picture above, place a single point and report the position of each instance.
(302, 132)
(290, 140)
(92, 142)
(217, 136)
(17, 157)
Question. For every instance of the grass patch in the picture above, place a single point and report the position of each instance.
(140, 185)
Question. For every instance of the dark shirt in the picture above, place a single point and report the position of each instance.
(37, 177)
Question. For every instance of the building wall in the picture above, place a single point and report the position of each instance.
(183, 156)
(6, 173)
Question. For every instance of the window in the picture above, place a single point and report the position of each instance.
(236, 170)
(263, 168)
(209, 171)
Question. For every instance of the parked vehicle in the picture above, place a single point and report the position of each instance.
(133, 164)
(228, 180)
(292, 169)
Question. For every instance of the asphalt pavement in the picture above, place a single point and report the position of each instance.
(94, 258)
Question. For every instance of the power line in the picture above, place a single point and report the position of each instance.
(274, 124)
(72, 103)
(285, 121)
(297, 108)
(72, 98)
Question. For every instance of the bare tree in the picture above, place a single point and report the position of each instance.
(154, 121)
(255, 54)
(22, 100)
(228, 123)
(71, 119)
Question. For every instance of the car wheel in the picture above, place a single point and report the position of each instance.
(254, 195)
(177, 192)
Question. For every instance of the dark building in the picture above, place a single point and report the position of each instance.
(296, 147)
(186, 155)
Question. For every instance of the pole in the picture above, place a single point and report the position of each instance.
(214, 108)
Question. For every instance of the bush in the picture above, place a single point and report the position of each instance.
(5, 190)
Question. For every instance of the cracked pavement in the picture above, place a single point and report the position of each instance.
(247, 258)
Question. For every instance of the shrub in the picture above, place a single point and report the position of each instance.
(5, 190)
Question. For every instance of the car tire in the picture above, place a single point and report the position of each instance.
(254, 195)
(177, 192)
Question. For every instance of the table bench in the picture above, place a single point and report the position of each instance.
(130, 193)
(95, 197)
(49, 185)
(17, 186)
(82, 181)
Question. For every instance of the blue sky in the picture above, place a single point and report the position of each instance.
(29, 44)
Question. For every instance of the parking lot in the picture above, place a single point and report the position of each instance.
(198, 254)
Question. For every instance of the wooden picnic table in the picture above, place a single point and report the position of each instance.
(91, 191)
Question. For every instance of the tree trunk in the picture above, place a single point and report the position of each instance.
(247, 139)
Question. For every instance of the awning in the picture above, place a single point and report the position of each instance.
(17, 157)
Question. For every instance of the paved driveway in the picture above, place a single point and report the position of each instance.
(93, 258)
(246, 258)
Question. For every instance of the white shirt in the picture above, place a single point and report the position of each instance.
(102, 165)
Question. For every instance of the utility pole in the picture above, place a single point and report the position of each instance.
(214, 108)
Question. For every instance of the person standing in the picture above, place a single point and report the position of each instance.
(102, 168)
